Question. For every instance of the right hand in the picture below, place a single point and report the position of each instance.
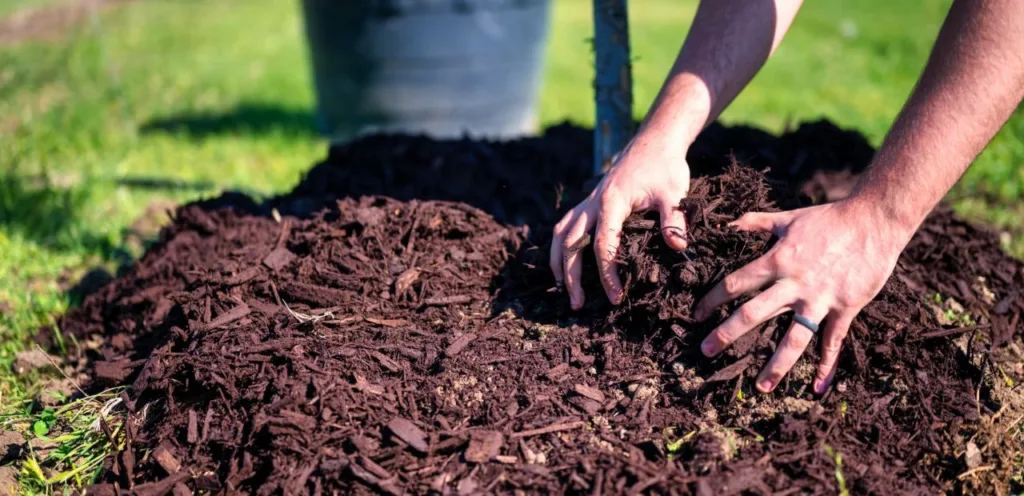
(647, 175)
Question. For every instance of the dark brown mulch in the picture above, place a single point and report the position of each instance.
(415, 344)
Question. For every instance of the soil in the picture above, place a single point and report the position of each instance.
(391, 326)
(8, 480)
(11, 446)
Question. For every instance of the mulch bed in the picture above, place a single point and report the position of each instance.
(391, 326)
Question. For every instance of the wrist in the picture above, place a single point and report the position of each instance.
(680, 112)
(882, 215)
(655, 142)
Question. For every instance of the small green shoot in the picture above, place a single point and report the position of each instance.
(837, 458)
(962, 318)
(673, 446)
(1009, 382)
(951, 310)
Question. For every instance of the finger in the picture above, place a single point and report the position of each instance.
(831, 343)
(606, 247)
(572, 246)
(673, 224)
(555, 257)
(762, 221)
(750, 277)
(772, 302)
(792, 346)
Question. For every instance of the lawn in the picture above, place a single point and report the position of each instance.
(150, 103)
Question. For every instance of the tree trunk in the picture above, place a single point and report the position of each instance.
(613, 83)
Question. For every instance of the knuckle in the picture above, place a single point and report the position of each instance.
(607, 196)
(830, 349)
(562, 224)
(748, 314)
(825, 364)
(719, 339)
(606, 253)
(609, 277)
(731, 284)
(796, 340)
(833, 345)
(748, 218)
(785, 255)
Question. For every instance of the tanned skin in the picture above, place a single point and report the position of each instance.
(832, 259)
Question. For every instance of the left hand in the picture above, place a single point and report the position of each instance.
(829, 262)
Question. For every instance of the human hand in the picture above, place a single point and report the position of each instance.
(829, 262)
(647, 175)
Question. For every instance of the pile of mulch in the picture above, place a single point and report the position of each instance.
(391, 326)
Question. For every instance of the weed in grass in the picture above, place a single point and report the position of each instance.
(79, 436)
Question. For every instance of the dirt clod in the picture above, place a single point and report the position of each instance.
(8, 480)
(55, 392)
(12, 446)
(32, 359)
(41, 447)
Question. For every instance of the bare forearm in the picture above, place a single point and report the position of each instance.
(727, 44)
(973, 82)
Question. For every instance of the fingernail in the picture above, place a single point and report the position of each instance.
(765, 386)
(820, 386)
(707, 348)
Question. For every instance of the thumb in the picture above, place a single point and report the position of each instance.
(673, 225)
(761, 221)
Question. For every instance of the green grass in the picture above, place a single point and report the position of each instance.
(88, 137)
(78, 435)
(14, 6)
